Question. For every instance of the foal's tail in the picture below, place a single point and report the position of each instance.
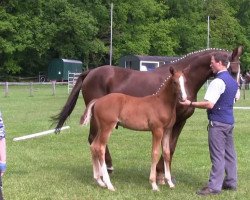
(60, 118)
(85, 118)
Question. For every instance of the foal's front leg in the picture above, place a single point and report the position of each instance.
(176, 130)
(167, 157)
(156, 141)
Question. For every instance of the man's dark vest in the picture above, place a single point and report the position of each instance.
(223, 109)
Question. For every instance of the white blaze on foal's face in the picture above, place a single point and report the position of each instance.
(182, 86)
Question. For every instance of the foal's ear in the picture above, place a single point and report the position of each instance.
(172, 70)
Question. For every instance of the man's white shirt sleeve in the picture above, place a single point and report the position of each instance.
(214, 90)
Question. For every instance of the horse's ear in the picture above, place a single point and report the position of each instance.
(237, 52)
(172, 70)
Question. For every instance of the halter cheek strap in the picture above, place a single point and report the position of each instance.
(237, 97)
(238, 73)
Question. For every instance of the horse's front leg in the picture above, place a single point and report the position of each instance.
(92, 134)
(166, 157)
(156, 141)
(173, 141)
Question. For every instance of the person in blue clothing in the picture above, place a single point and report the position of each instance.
(2, 153)
(219, 100)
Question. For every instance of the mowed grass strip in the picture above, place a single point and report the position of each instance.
(58, 167)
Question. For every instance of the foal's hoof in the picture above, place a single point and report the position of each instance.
(111, 188)
(155, 188)
(100, 183)
(171, 185)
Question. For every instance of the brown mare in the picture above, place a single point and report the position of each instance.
(109, 79)
(156, 113)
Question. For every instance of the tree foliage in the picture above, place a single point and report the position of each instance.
(34, 32)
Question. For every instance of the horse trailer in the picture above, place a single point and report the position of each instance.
(144, 63)
(58, 69)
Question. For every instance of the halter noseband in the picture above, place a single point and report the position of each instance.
(230, 62)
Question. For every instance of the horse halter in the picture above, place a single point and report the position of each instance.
(238, 73)
(237, 97)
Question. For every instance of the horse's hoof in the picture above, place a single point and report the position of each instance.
(173, 180)
(110, 170)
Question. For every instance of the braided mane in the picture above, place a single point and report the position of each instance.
(184, 57)
(196, 52)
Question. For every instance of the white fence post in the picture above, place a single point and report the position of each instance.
(31, 89)
(53, 88)
(6, 89)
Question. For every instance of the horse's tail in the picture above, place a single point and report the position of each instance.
(60, 118)
(86, 117)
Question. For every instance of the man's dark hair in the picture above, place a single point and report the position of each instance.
(221, 57)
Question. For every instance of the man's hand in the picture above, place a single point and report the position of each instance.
(186, 102)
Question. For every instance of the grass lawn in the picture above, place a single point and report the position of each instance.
(58, 167)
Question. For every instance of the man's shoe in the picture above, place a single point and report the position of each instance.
(226, 187)
(207, 191)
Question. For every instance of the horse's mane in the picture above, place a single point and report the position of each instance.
(189, 55)
(200, 52)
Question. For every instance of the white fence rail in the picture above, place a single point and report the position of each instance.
(30, 85)
(72, 78)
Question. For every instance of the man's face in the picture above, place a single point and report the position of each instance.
(215, 66)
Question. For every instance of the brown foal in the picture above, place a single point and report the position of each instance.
(156, 113)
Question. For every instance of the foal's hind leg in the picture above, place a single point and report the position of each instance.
(96, 165)
(101, 141)
(92, 134)
(166, 157)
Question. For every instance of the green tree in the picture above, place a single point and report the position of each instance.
(140, 28)
(34, 32)
(8, 48)
(243, 15)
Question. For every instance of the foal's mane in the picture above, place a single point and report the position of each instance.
(187, 56)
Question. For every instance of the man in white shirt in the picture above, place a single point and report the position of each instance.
(218, 101)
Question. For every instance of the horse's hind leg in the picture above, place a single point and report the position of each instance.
(92, 134)
(166, 157)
